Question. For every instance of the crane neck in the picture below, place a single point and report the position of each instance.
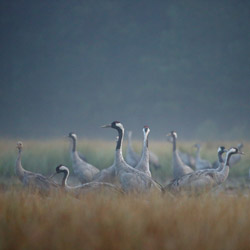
(73, 144)
(145, 142)
(120, 138)
(65, 178)
(73, 152)
(174, 143)
(221, 160)
(145, 151)
(228, 156)
(223, 173)
(118, 154)
(19, 168)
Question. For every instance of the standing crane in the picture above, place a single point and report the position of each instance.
(143, 164)
(202, 180)
(131, 179)
(30, 179)
(132, 158)
(179, 168)
(82, 169)
(233, 160)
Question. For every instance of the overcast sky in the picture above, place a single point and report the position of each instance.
(172, 65)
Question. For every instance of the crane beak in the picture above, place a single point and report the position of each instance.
(241, 153)
(169, 134)
(106, 126)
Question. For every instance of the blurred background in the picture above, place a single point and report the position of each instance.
(173, 65)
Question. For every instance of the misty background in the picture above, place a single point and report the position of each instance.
(172, 65)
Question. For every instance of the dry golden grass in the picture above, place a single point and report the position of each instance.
(96, 221)
(102, 221)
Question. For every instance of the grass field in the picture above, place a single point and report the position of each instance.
(44, 156)
(96, 221)
(103, 221)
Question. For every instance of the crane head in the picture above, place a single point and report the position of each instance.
(114, 124)
(234, 150)
(19, 145)
(172, 134)
(222, 149)
(146, 129)
(72, 135)
(61, 168)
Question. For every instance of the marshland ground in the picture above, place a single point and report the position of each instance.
(215, 220)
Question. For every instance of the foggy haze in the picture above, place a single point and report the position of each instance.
(172, 65)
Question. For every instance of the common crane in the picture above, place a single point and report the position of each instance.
(131, 179)
(30, 179)
(179, 168)
(233, 160)
(84, 171)
(143, 164)
(83, 188)
(202, 180)
(132, 158)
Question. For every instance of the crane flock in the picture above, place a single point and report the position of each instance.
(133, 174)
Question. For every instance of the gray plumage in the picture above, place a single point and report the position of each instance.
(221, 151)
(216, 164)
(30, 179)
(132, 158)
(202, 180)
(143, 164)
(179, 168)
(130, 179)
(201, 163)
(83, 157)
(106, 175)
(84, 188)
(82, 169)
